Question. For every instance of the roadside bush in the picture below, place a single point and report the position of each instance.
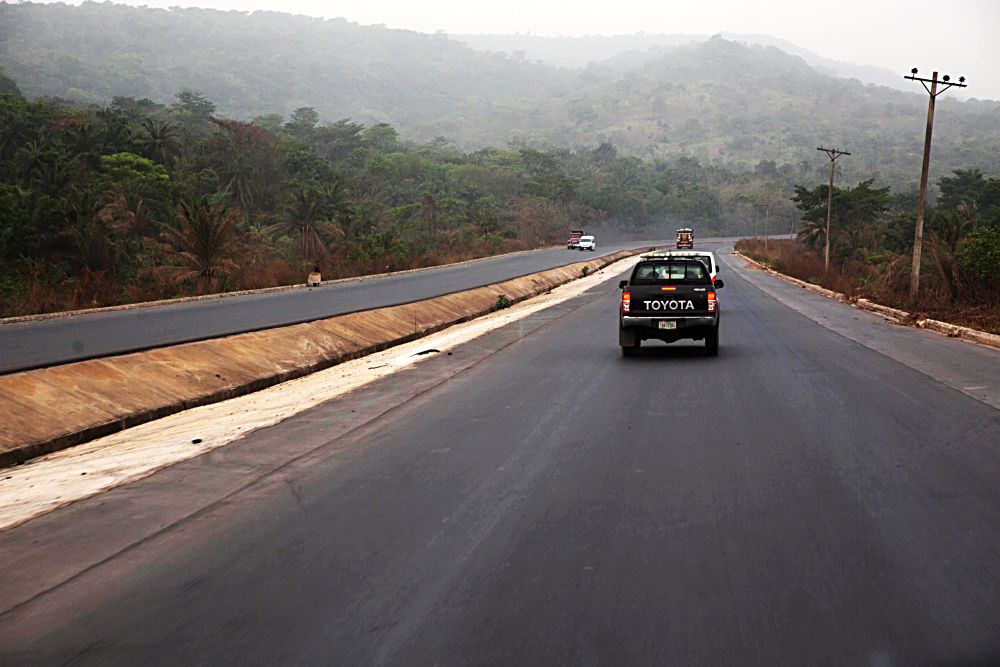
(979, 255)
(503, 301)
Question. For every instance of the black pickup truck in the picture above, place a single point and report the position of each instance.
(668, 299)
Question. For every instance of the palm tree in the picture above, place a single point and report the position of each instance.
(32, 155)
(53, 175)
(202, 244)
(120, 216)
(86, 138)
(114, 129)
(310, 214)
(159, 141)
(948, 230)
(812, 233)
(431, 204)
(241, 176)
(951, 227)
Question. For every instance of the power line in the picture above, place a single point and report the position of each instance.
(918, 232)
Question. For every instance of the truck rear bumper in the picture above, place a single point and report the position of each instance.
(633, 329)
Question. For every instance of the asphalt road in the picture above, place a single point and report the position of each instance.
(25, 345)
(535, 498)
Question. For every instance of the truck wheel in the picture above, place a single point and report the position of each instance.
(629, 350)
(712, 342)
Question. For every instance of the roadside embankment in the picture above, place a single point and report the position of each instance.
(893, 314)
(53, 408)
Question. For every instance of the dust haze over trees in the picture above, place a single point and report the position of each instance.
(137, 200)
(364, 148)
(719, 101)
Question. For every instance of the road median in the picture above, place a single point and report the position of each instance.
(54, 408)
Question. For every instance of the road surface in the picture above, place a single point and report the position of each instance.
(25, 345)
(537, 499)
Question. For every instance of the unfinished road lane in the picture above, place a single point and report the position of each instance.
(801, 499)
(25, 345)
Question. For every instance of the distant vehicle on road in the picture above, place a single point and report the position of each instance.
(704, 256)
(685, 238)
(574, 239)
(669, 299)
(587, 242)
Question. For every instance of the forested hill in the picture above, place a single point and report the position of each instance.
(251, 64)
(580, 51)
(720, 101)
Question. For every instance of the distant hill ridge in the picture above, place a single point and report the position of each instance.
(752, 104)
(613, 49)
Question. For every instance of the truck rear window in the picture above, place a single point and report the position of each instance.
(670, 272)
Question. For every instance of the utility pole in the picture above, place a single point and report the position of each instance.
(767, 212)
(833, 153)
(918, 232)
(756, 220)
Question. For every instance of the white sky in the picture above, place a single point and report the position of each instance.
(957, 37)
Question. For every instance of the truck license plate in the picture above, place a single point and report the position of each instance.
(667, 324)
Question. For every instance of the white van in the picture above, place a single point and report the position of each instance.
(587, 243)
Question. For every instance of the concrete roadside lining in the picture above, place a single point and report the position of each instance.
(795, 281)
(893, 314)
(48, 482)
(49, 409)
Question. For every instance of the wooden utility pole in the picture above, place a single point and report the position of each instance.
(918, 232)
(756, 220)
(833, 153)
(767, 212)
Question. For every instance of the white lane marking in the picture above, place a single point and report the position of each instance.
(52, 481)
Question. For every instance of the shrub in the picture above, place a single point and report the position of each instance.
(502, 302)
(979, 254)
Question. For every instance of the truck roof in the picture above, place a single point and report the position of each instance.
(676, 253)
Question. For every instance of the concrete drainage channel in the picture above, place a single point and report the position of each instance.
(49, 409)
(892, 314)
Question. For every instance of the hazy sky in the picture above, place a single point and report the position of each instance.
(958, 37)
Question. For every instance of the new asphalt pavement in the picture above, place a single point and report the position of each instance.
(46, 342)
(537, 499)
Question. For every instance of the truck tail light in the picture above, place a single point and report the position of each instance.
(711, 302)
(626, 301)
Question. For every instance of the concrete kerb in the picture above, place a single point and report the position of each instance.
(965, 333)
(54, 408)
(893, 314)
(896, 315)
(795, 281)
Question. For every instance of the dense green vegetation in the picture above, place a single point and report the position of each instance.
(364, 148)
(138, 200)
(871, 239)
(723, 103)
